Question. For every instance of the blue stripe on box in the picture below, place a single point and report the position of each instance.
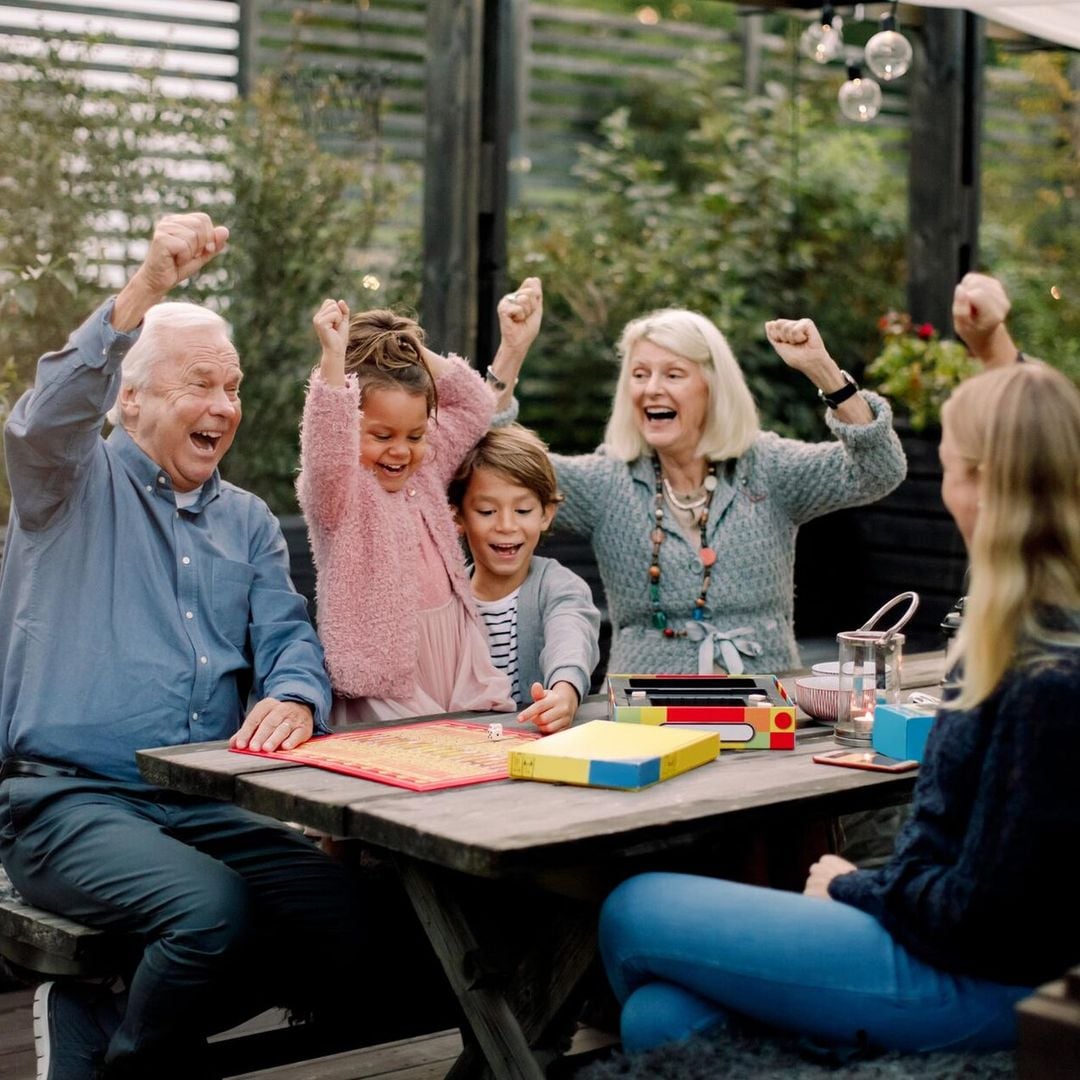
(624, 774)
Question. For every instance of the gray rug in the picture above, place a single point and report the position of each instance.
(743, 1057)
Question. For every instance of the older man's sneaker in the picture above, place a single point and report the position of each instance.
(73, 1024)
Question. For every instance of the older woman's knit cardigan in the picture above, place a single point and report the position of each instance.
(758, 506)
(364, 539)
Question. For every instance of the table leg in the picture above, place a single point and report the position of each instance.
(517, 1001)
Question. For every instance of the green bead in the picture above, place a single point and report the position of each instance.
(654, 593)
(659, 620)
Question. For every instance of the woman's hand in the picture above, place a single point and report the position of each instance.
(822, 872)
(980, 306)
(552, 710)
(520, 315)
(799, 345)
(331, 324)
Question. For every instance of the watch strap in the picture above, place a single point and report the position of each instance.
(838, 397)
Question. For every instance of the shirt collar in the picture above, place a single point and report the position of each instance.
(151, 476)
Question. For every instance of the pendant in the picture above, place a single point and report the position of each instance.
(707, 556)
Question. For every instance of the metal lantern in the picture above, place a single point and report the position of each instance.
(870, 671)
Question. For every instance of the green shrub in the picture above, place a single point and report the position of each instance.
(697, 199)
(85, 175)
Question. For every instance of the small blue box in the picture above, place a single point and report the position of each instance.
(900, 731)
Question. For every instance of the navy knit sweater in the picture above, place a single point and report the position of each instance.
(979, 883)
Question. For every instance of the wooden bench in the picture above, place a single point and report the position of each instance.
(1048, 1029)
(37, 944)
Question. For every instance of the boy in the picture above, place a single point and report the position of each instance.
(542, 625)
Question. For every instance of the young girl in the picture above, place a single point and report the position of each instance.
(933, 950)
(386, 423)
(542, 624)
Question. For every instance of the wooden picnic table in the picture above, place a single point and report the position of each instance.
(505, 877)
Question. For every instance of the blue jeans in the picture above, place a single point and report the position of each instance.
(237, 912)
(683, 952)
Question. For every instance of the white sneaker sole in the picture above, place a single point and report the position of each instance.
(42, 1046)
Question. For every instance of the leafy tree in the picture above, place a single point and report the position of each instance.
(1031, 209)
(696, 199)
(86, 173)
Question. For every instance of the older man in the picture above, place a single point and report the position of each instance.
(146, 602)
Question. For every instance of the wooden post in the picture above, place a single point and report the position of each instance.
(452, 169)
(502, 80)
(751, 28)
(247, 30)
(945, 108)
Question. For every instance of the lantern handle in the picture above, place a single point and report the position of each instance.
(913, 604)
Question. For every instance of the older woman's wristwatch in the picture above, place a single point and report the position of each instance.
(838, 397)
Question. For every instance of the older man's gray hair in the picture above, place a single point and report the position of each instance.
(156, 342)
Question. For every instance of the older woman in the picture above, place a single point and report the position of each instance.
(692, 510)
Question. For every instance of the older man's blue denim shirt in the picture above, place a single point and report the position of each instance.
(126, 622)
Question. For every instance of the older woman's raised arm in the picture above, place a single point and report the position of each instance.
(799, 345)
(520, 314)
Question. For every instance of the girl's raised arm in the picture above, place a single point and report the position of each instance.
(331, 323)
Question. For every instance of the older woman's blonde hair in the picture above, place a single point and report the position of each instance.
(731, 423)
(1019, 429)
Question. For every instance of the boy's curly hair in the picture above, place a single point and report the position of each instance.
(386, 351)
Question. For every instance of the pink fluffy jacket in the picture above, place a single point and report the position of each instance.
(364, 538)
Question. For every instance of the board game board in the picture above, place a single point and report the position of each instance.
(427, 756)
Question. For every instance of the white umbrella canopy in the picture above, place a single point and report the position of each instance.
(1057, 22)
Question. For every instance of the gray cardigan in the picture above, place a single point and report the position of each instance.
(558, 628)
(762, 499)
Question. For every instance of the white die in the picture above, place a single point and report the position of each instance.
(494, 731)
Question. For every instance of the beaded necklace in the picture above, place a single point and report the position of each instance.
(705, 553)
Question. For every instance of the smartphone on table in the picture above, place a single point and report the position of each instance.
(864, 759)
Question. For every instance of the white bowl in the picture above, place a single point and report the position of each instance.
(819, 696)
(830, 667)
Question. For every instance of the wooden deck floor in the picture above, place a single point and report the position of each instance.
(428, 1057)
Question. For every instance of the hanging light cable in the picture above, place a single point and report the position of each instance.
(823, 39)
(888, 53)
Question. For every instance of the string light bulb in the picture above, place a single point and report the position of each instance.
(888, 53)
(823, 39)
(859, 97)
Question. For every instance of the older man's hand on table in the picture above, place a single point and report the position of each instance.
(275, 725)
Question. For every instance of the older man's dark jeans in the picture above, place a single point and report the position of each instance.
(238, 912)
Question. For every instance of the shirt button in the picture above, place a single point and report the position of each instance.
(161, 479)
(149, 487)
(194, 716)
(202, 659)
(189, 615)
(185, 560)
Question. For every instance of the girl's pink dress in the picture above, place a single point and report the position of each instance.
(454, 668)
